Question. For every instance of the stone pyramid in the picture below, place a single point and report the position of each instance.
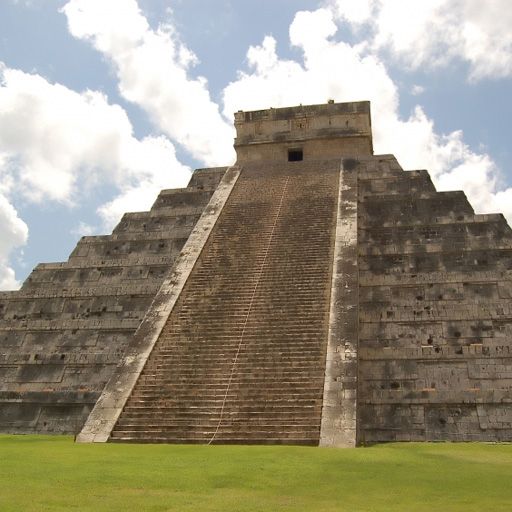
(313, 293)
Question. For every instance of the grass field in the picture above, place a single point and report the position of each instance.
(39, 473)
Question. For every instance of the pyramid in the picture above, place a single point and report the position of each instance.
(313, 293)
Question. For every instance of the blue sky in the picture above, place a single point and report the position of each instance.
(105, 102)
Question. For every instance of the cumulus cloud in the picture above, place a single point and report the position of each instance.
(153, 71)
(54, 141)
(151, 166)
(416, 90)
(83, 229)
(13, 233)
(335, 69)
(58, 145)
(434, 32)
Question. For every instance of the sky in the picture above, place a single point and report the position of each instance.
(105, 102)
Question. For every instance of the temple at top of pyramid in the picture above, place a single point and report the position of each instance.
(312, 132)
(312, 293)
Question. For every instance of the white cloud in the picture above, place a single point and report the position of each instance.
(84, 229)
(311, 29)
(416, 90)
(153, 71)
(356, 12)
(54, 141)
(330, 69)
(60, 145)
(434, 32)
(334, 69)
(13, 233)
(151, 163)
(51, 137)
(144, 193)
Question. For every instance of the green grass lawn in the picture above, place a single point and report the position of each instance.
(39, 473)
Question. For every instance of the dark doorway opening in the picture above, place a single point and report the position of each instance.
(295, 155)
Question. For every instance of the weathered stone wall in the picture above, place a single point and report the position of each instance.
(322, 132)
(64, 332)
(119, 387)
(418, 320)
(435, 312)
(313, 149)
(339, 410)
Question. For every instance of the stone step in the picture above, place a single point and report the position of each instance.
(246, 342)
(207, 412)
(63, 310)
(177, 211)
(292, 342)
(253, 378)
(406, 182)
(175, 233)
(207, 179)
(209, 427)
(103, 273)
(189, 355)
(69, 325)
(234, 393)
(448, 261)
(438, 220)
(269, 413)
(278, 439)
(141, 290)
(407, 207)
(414, 247)
(257, 400)
(241, 360)
(239, 374)
(226, 354)
(473, 224)
(128, 249)
(220, 386)
(248, 430)
(154, 223)
(149, 260)
(182, 198)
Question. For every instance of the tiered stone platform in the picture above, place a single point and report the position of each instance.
(435, 359)
(313, 293)
(65, 331)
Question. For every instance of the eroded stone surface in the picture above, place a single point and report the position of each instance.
(339, 413)
(414, 334)
(63, 334)
(241, 357)
(120, 385)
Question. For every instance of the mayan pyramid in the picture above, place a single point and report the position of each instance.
(312, 293)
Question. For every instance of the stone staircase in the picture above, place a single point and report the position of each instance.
(64, 332)
(241, 358)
